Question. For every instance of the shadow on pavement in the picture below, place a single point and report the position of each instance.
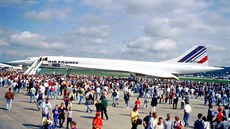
(2, 108)
(89, 117)
(32, 126)
(32, 109)
(125, 114)
(79, 111)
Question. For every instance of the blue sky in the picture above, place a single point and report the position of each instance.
(148, 30)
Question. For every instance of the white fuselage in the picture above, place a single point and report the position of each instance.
(177, 68)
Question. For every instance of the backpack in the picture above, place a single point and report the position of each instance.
(126, 96)
(80, 91)
(71, 98)
(114, 94)
(90, 96)
(199, 124)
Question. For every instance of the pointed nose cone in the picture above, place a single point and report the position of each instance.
(216, 68)
(21, 62)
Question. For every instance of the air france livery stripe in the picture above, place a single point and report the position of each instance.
(191, 53)
(201, 52)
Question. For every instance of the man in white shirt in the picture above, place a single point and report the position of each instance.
(187, 111)
(46, 109)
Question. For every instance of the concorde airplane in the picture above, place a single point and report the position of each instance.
(195, 60)
(6, 66)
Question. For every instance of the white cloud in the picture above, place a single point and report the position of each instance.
(148, 48)
(94, 31)
(28, 39)
(141, 42)
(148, 43)
(160, 27)
(48, 14)
(164, 45)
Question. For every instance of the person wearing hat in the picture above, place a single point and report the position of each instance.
(97, 121)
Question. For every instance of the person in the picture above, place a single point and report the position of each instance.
(98, 106)
(104, 104)
(56, 113)
(134, 116)
(182, 102)
(146, 96)
(175, 101)
(97, 121)
(87, 101)
(49, 123)
(46, 107)
(154, 103)
(81, 95)
(224, 124)
(114, 96)
(61, 116)
(67, 101)
(39, 99)
(226, 112)
(206, 123)
(138, 103)
(167, 122)
(9, 96)
(126, 98)
(177, 123)
(210, 115)
(73, 125)
(219, 115)
(159, 124)
(187, 111)
(69, 117)
(199, 124)
(32, 94)
(147, 119)
(153, 121)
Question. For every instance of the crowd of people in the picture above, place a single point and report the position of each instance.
(96, 89)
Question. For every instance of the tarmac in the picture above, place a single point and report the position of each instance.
(25, 115)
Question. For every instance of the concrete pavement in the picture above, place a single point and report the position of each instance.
(24, 115)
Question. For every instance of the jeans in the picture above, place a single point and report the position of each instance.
(186, 116)
(88, 106)
(55, 122)
(74, 96)
(80, 100)
(98, 96)
(50, 94)
(9, 104)
(55, 95)
(32, 96)
(145, 104)
(38, 103)
(126, 103)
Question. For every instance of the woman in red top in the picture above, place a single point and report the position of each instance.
(97, 121)
(219, 115)
(138, 103)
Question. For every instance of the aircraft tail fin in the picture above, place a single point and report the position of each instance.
(195, 55)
